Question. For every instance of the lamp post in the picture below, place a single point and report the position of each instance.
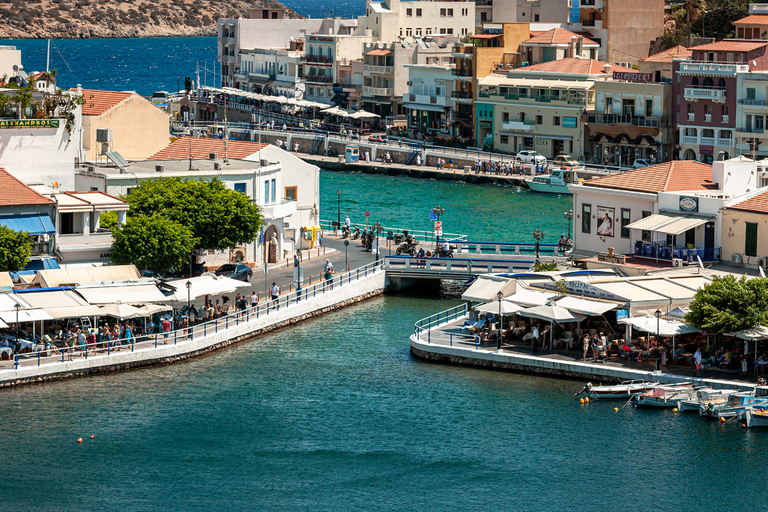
(569, 217)
(538, 235)
(189, 295)
(338, 212)
(500, 296)
(658, 349)
(17, 307)
(437, 212)
(346, 251)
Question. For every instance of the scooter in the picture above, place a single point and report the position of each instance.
(442, 253)
(345, 231)
(406, 248)
(356, 233)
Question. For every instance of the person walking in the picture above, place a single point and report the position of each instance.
(697, 362)
(254, 299)
(585, 343)
(274, 291)
(535, 339)
(165, 326)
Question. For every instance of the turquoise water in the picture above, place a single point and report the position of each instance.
(483, 212)
(334, 415)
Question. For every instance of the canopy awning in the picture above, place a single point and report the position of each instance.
(650, 324)
(126, 294)
(556, 314)
(669, 223)
(204, 285)
(585, 306)
(123, 311)
(379, 52)
(487, 288)
(74, 311)
(531, 298)
(681, 225)
(25, 315)
(755, 333)
(507, 307)
(418, 106)
(485, 36)
(32, 223)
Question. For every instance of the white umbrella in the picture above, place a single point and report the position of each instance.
(665, 327)
(151, 309)
(552, 314)
(507, 307)
(123, 311)
(362, 114)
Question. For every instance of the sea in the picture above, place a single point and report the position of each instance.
(333, 414)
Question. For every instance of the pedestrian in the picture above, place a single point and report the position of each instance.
(595, 343)
(128, 334)
(165, 326)
(328, 270)
(254, 299)
(697, 362)
(535, 339)
(320, 240)
(585, 342)
(274, 291)
(296, 260)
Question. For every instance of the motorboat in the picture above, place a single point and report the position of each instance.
(731, 406)
(623, 390)
(555, 183)
(665, 396)
(755, 416)
(703, 395)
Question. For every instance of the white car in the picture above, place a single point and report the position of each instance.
(639, 163)
(531, 157)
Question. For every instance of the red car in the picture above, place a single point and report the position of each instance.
(376, 138)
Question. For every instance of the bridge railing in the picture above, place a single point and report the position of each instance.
(467, 247)
(456, 265)
(428, 329)
(419, 234)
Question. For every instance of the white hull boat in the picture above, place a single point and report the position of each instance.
(555, 183)
(665, 396)
(693, 404)
(730, 407)
(754, 417)
(624, 390)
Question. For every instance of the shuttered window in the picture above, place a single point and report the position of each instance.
(750, 241)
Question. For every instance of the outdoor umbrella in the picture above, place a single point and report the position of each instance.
(123, 311)
(665, 327)
(552, 314)
(362, 114)
(757, 333)
(151, 309)
(507, 307)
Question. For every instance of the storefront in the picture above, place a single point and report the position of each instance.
(623, 151)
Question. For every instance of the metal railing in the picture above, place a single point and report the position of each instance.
(468, 266)
(466, 247)
(418, 234)
(439, 319)
(50, 353)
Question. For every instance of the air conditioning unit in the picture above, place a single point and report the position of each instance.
(216, 166)
(104, 135)
(408, 83)
(677, 262)
(263, 162)
(736, 258)
(91, 168)
(159, 168)
(213, 156)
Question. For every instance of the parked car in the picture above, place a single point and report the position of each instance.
(377, 138)
(565, 161)
(639, 163)
(235, 271)
(531, 157)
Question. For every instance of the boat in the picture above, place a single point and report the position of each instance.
(665, 396)
(703, 395)
(623, 390)
(731, 406)
(755, 416)
(555, 183)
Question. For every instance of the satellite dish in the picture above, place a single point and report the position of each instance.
(55, 184)
(754, 63)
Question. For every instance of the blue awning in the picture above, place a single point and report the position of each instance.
(32, 223)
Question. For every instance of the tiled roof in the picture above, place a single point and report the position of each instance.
(677, 52)
(97, 102)
(15, 193)
(666, 177)
(535, 33)
(575, 66)
(757, 204)
(731, 45)
(755, 19)
(202, 147)
(557, 36)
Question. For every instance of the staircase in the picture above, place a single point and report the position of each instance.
(317, 144)
(412, 157)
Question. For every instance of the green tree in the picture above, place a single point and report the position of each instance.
(152, 243)
(108, 220)
(544, 267)
(15, 249)
(728, 304)
(220, 217)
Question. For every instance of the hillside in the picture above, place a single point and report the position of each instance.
(78, 19)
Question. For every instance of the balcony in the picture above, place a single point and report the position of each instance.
(591, 4)
(227, 40)
(285, 208)
(462, 74)
(319, 59)
(593, 24)
(687, 139)
(519, 126)
(707, 118)
(378, 91)
(707, 141)
(711, 69)
(101, 239)
(647, 121)
(379, 70)
(752, 130)
(691, 116)
(318, 79)
(757, 103)
(704, 93)
(725, 142)
(725, 118)
(424, 99)
(462, 51)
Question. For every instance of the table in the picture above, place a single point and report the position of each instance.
(6, 350)
(517, 330)
(758, 364)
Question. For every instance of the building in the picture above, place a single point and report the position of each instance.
(320, 63)
(530, 11)
(429, 103)
(664, 212)
(10, 56)
(660, 64)
(389, 20)
(270, 72)
(348, 89)
(754, 26)
(540, 107)
(124, 122)
(385, 77)
(745, 225)
(555, 44)
(751, 115)
(631, 120)
(705, 96)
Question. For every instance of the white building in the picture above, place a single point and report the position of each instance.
(320, 64)
(751, 114)
(429, 105)
(269, 71)
(391, 19)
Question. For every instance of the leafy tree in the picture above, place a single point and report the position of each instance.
(108, 220)
(728, 304)
(152, 243)
(220, 217)
(544, 267)
(15, 249)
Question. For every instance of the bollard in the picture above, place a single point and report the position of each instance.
(216, 326)
(38, 359)
(16, 362)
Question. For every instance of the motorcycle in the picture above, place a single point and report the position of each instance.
(442, 253)
(345, 231)
(356, 233)
(406, 248)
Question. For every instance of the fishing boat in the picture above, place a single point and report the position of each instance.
(755, 416)
(555, 183)
(703, 395)
(731, 406)
(664, 396)
(623, 390)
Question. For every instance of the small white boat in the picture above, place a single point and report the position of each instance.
(754, 417)
(665, 396)
(555, 183)
(624, 390)
(703, 395)
(730, 406)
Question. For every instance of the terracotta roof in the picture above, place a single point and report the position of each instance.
(755, 19)
(575, 66)
(383, 51)
(557, 36)
(15, 193)
(677, 52)
(535, 33)
(666, 177)
(731, 45)
(97, 102)
(202, 147)
(757, 204)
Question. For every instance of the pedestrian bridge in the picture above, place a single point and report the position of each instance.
(406, 267)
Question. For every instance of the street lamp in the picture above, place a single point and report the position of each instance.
(377, 228)
(569, 216)
(189, 295)
(17, 307)
(437, 212)
(539, 236)
(338, 212)
(500, 296)
(346, 250)
(658, 349)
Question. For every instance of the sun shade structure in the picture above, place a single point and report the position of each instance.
(487, 288)
(530, 298)
(555, 314)
(507, 307)
(585, 306)
(759, 332)
(123, 311)
(665, 327)
(204, 285)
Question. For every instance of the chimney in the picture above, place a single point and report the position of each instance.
(607, 69)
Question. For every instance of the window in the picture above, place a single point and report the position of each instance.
(536, 18)
(409, 12)
(750, 93)
(442, 13)
(625, 222)
(240, 187)
(505, 116)
(418, 13)
(450, 13)
(428, 31)
(291, 193)
(409, 31)
(504, 139)
(759, 124)
(556, 120)
(539, 120)
(646, 235)
(274, 189)
(418, 31)
(586, 218)
(750, 242)
(266, 191)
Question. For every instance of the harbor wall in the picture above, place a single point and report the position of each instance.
(146, 354)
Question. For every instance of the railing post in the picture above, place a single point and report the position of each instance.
(133, 342)
(216, 325)
(175, 332)
(38, 358)
(155, 340)
(86, 350)
(205, 330)
(16, 362)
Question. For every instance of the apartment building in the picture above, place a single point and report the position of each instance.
(385, 77)
(754, 26)
(540, 107)
(348, 89)
(429, 104)
(319, 65)
(389, 20)
(660, 64)
(752, 115)
(530, 11)
(705, 93)
(557, 43)
(269, 71)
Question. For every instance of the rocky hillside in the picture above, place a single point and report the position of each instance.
(77, 19)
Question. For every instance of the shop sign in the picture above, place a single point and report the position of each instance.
(29, 123)
(569, 122)
(688, 204)
(633, 77)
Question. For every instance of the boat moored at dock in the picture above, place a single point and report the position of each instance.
(625, 389)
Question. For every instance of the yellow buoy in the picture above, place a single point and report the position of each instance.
(675, 409)
(722, 420)
(79, 439)
(615, 409)
(581, 400)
